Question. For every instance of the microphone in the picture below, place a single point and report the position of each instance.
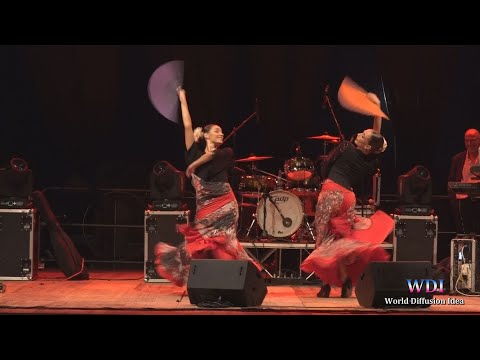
(257, 109)
(326, 89)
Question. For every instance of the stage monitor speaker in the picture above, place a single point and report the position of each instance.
(235, 282)
(387, 284)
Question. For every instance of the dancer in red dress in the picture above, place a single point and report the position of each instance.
(213, 233)
(345, 242)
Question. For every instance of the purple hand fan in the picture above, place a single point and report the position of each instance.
(162, 88)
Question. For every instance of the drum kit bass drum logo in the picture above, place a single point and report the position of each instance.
(284, 202)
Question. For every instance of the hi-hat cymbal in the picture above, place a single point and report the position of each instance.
(325, 137)
(254, 158)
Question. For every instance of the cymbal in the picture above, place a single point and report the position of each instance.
(254, 158)
(325, 137)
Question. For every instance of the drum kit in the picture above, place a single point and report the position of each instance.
(284, 202)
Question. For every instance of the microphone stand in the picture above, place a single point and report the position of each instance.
(287, 222)
(235, 129)
(267, 173)
(327, 99)
(264, 196)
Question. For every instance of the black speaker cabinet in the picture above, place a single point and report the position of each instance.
(415, 238)
(161, 226)
(391, 284)
(19, 240)
(225, 281)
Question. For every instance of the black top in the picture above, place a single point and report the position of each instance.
(216, 170)
(347, 165)
(456, 166)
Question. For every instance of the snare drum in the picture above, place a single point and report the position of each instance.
(286, 203)
(299, 168)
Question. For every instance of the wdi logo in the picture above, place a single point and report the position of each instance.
(430, 286)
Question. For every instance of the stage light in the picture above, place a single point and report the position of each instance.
(18, 164)
(166, 186)
(415, 187)
(16, 184)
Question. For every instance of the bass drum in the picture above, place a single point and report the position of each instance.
(289, 205)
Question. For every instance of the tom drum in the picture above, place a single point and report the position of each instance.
(299, 168)
(254, 185)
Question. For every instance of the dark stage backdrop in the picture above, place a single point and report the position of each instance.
(81, 115)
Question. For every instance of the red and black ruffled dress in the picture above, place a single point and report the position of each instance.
(213, 233)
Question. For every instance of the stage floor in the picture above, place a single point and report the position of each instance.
(123, 292)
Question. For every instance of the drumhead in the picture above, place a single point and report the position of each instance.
(291, 208)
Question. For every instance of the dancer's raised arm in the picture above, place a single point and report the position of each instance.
(187, 119)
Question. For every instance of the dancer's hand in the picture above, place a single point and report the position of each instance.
(190, 170)
(182, 94)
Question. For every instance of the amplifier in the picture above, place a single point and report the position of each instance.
(15, 203)
(168, 205)
(161, 226)
(422, 210)
(19, 244)
(415, 238)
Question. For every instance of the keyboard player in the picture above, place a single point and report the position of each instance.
(466, 206)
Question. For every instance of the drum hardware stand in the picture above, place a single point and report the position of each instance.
(326, 101)
(253, 168)
(254, 220)
(305, 222)
(325, 142)
(306, 226)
